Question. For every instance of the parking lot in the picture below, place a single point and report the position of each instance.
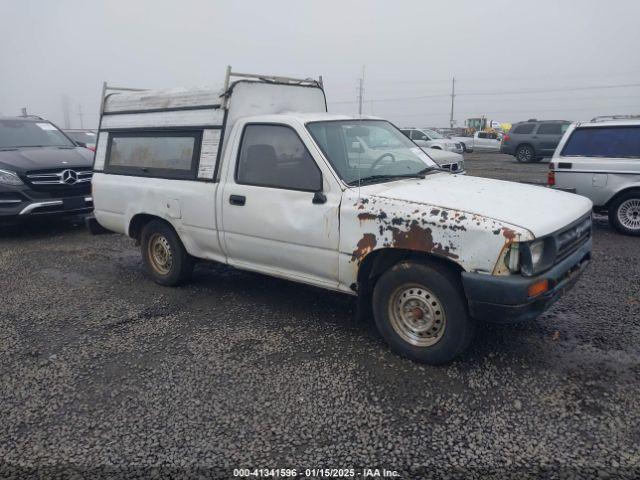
(104, 370)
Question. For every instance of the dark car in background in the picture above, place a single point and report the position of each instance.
(83, 137)
(42, 171)
(533, 140)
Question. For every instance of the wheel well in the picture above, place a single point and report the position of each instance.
(379, 261)
(525, 145)
(138, 222)
(622, 192)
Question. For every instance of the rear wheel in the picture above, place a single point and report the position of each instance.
(164, 255)
(421, 312)
(525, 154)
(624, 213)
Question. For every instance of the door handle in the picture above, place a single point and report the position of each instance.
(237, 200)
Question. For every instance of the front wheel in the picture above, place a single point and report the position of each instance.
(420, 311)
(624, 213)
(164, 255)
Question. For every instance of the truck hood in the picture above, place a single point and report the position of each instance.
(40, 158)
(540, 210)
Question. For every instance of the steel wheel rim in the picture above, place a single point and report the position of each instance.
(159, 253)
(629, 214)
(417, 315)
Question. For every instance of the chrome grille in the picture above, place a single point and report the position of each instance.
(64, 176)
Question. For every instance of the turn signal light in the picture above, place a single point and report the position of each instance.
(538, 288)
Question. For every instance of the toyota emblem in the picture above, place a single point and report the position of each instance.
(69, 177)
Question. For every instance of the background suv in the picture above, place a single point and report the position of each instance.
(601, 160)
(533, 140)
(42, 171)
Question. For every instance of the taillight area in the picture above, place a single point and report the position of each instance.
(506, 138)
(551, 176)
(89, 147)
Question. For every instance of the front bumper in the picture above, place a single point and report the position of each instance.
(17, 204)
(505, 299)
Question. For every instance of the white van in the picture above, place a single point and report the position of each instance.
(259, 176)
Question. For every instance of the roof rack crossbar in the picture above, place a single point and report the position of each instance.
(108, 88)
(602, 118)
(227, 83)
(265, 78)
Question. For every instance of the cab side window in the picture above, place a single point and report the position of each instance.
(274, 156)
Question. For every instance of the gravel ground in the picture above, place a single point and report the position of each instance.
(506, 167)
(105, 373)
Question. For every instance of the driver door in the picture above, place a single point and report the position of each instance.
(280, 207)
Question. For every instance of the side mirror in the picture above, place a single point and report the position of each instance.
(319, 198)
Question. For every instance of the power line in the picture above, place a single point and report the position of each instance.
(555, 90)
(521, 92)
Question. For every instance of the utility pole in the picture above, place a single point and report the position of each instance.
(453, 96)
(80, 115)
(360, 92)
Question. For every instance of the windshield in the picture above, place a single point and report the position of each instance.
(433, 134)
(369, 149)
(27, 133)
(84, 137)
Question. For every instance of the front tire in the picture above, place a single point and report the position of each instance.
(525, 154)
(624, 213)
(163, 254)
(420, 311)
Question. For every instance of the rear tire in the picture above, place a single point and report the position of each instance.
(525, 154)
(163, 254)
(420, 310)
(624, 213)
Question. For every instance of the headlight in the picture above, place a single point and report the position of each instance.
(537, 251)
(537, 256)
(9, 178)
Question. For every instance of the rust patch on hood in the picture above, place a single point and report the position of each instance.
(365, 246)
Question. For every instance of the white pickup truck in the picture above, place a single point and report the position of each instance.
(480, 142)
(258, 176)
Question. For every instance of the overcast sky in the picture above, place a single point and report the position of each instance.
(498, 51)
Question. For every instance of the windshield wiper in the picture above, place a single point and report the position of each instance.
(375, 178)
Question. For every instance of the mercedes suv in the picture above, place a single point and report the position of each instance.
(42, 171)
